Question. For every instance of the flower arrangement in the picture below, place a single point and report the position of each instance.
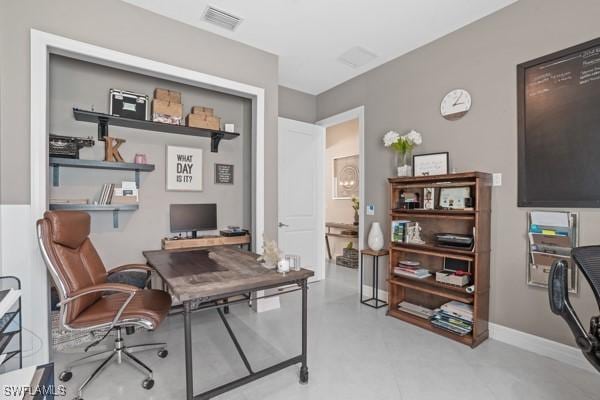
(402, 143)
(403, 146)
(271, 253)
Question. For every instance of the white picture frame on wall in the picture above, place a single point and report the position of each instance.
(184, 169)
(345, 177)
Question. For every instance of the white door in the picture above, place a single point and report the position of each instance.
(301, 148)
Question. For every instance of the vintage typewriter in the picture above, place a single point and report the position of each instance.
(68, 146)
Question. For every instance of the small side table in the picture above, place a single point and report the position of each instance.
(374, 298)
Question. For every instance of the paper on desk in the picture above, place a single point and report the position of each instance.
(550, 218)
(15, 379)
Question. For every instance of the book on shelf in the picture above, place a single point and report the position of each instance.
(416, 310)
(399, 231)
(69, 201)
(410, 275)
(458, 309)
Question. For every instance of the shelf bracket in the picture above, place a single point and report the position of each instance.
(55, 175)
(137, 178)
(115, 219)
(102, 127)
(215, 139)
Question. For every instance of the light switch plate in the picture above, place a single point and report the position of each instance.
(497, 179)
(370, 209)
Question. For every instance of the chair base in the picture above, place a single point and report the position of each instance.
(121, 353)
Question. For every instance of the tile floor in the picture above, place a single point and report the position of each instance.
(355, 352)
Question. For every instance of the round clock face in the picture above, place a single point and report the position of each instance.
(455, 104)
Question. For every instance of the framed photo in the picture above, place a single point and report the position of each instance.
(454, 198)
(345, 177)
(429, 198)
(430, 164)
(184, 169)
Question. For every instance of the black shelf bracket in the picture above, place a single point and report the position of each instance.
(215, 139)
(115, 219)
(55, 175)
(102, 128)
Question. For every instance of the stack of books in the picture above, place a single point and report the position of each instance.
(106, 193)
(455, 317)
(411, 270)
(126, 194)
(416, 310)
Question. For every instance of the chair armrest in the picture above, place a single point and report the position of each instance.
(103, 287)
(128, 267)
(106, 287)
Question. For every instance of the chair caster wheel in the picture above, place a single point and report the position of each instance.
(163, 353)
(148, 384)
(65, 376)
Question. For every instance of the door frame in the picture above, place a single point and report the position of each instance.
(320, 229)
(42, 45)
(336, 119)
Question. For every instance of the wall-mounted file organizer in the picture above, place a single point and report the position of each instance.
(551, 235)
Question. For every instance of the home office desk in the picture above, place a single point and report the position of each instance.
(205, 278)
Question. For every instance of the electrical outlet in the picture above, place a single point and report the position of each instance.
(497, 179)
(370, 209)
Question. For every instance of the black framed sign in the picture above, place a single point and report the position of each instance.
(224, 174)
(430, 164)
(558, 98)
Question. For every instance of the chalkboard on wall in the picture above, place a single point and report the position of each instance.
(559, 128)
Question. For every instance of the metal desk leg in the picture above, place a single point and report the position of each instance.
(189, 371)
(376, 279)
(328, 248)
(304, 367)
(362, 258)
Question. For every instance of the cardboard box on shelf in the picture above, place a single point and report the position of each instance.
(167, 112)
(172, 96)
(206, 110)
(203, 121)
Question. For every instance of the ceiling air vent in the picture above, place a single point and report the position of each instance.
(221, 18)
(357, 57)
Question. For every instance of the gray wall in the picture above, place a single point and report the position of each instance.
(405, 94)
(82, 84)
(123, 27)
(297, 105)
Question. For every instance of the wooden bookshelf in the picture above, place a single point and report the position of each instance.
(428, 292)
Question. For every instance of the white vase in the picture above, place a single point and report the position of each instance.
(375, 239)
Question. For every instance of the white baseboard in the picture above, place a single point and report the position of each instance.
(368, 291)
(539, 345)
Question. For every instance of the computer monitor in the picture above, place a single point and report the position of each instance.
(193, 218)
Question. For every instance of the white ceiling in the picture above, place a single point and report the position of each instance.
(310, 35)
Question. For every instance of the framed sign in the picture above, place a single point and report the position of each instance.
(430, 164)
(184, 169)
(345, 177)
(224, 174)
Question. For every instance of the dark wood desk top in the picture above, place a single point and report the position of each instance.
(214, 273)
(341, 225)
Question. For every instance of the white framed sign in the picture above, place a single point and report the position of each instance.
(184, 169)
(430, 164)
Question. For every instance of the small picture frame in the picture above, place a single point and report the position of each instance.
(454, 198)
(429, 198)
(431, 164)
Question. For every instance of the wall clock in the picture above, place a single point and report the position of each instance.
(455, 104)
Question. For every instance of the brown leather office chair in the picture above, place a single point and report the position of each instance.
(87, 300)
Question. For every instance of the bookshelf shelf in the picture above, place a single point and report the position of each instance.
(429, 285)
(11, 335)
(115, 208)
(57, 162)
(428, 292)
(104, 120)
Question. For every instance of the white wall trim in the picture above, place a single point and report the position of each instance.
(43, 44)
(539, 345)
(355, 113)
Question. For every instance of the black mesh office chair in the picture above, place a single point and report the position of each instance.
(587, 259)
